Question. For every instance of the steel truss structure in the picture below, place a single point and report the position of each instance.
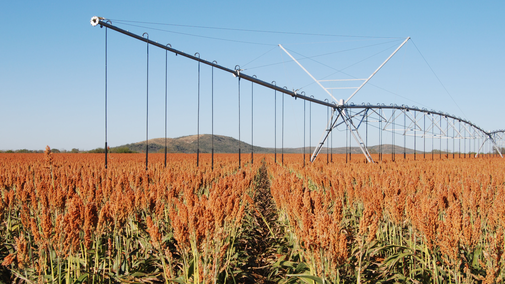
(410, 122)
(397, 120)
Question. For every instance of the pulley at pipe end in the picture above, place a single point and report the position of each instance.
(95, 20)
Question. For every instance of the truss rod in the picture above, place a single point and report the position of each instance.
(326, 90)
(368, 79)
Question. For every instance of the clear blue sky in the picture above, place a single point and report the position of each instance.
(52, 65)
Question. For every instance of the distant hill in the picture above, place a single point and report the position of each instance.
(189, 144)
(225, 144)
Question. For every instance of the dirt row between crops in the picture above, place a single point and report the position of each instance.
(263, 239)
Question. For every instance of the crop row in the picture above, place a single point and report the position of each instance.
(67, 219)
(406, 221)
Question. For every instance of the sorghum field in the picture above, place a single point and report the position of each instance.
(67, 219)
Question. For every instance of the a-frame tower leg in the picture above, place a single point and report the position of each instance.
(350, 125)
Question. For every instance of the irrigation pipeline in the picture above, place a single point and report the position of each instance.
(236, 72)
(102, 22)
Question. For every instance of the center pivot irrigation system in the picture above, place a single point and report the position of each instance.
(418, 123)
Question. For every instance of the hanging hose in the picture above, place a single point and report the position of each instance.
(275, 124)
(252, 122)
(331, 147)
(147, 102)
(440, 153)
(346, 146)
(447, 135)
(198, 118)
(331, 144)
(106, 150)
(282, 130)
(432, 139)
(424, 138)
(239, 141)
(393, 137)
(166, 76)
(166, 102)
(366, 128)
(453, 139)
(415, 135)
(329, 125)
(212, 104)
(380, 134)
(350, 138)
(310, 126)
(405, 135)
(304, 128)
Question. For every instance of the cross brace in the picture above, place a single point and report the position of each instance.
(347, 119)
